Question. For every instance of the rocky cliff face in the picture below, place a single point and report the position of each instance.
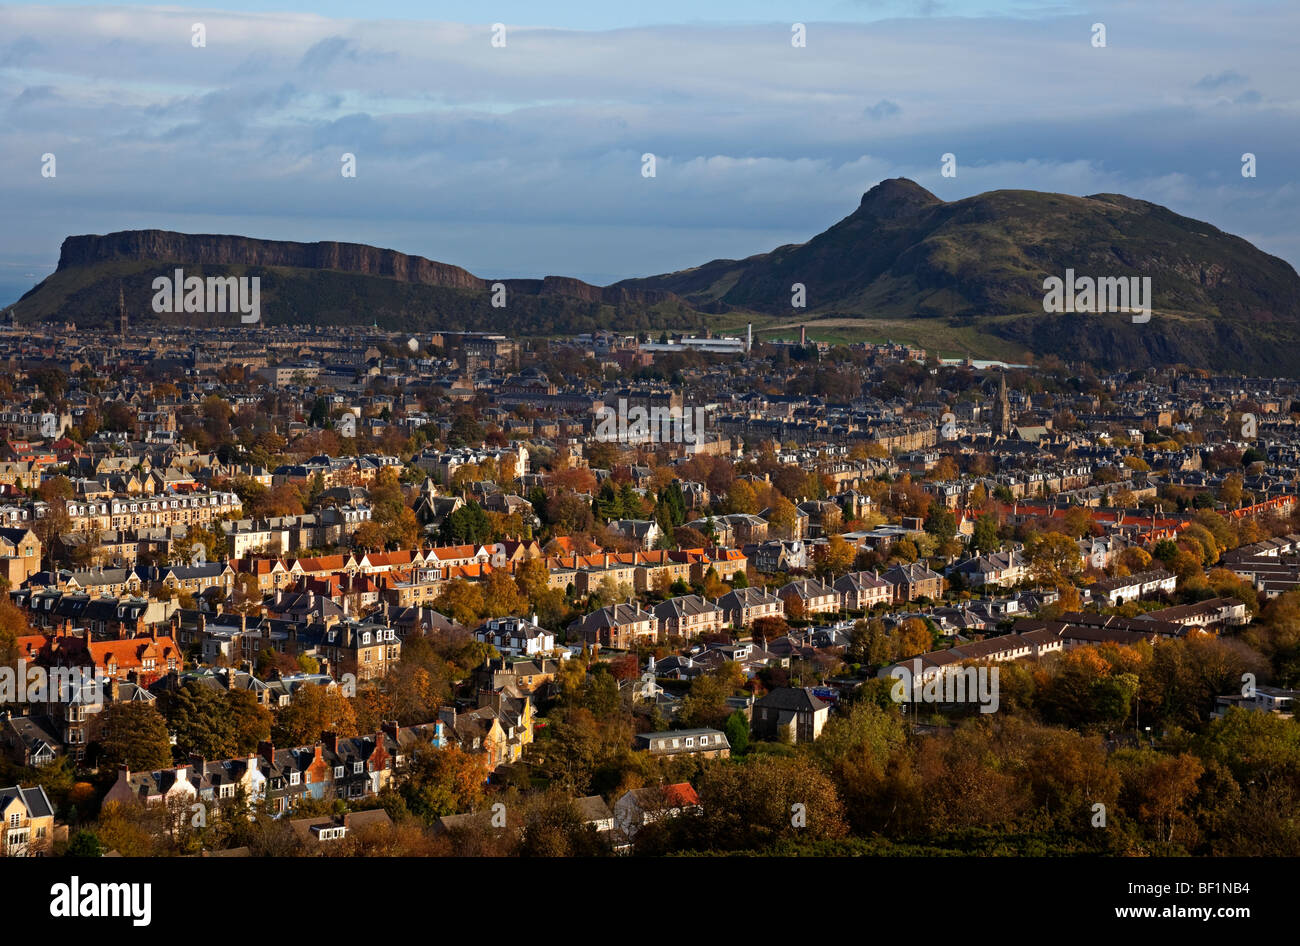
(166, 247)
(163, 246)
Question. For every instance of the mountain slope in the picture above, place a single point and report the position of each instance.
(329, 284)
(971, 269)
(905, 252)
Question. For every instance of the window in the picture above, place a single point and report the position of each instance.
(357, 767)
(15, 819)
(338, 771)
(293, 778)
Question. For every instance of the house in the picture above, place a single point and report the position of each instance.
(620, 626)
(515, 636)
(777, 555)
(28, 820)
(1115, 591)
(1004, 569)
(1265, 699)
(861, 591)
(594, 812)
(790, 714)
(645, 532)
(166, 786)
(913, 580)
(30, 740)
(707, 743)
(742, 606)
(688, 616)
(639, 807)
(811, 595)
(316, 834)
(20, 555)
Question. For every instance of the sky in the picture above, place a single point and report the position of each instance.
(526, 159)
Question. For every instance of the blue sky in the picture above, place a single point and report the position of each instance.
(526, 160)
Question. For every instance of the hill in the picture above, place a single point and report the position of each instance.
(904, 254)
(956, 275)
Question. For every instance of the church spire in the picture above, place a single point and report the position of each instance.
(1002, 423)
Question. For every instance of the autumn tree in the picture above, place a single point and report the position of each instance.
(443, 782)
(314, 710)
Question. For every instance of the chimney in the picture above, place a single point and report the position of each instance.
(392, 729)
(330, 739)
(266, 749)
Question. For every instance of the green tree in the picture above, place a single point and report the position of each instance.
(134, 735)
(737, 731)
(84, 844)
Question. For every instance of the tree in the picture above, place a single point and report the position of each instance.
(199, 717)
(460, 600)
(869, 644)
(468, 525)
(737, 730)
(568, 513)
(741, 498)
(84, 844)
(134, 735)
(1053, 558)
(783, 516)
(910, 638)
(765, 799)
(986, 538)
(1158, 788)
(443, 782)
(687, 538)
(940, 523)
(706, 704)
(501, 595)
(838, 558)
(314, 710)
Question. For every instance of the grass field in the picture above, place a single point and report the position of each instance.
(938, 336)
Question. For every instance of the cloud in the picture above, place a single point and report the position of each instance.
(882, 109)
(1212, 82)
